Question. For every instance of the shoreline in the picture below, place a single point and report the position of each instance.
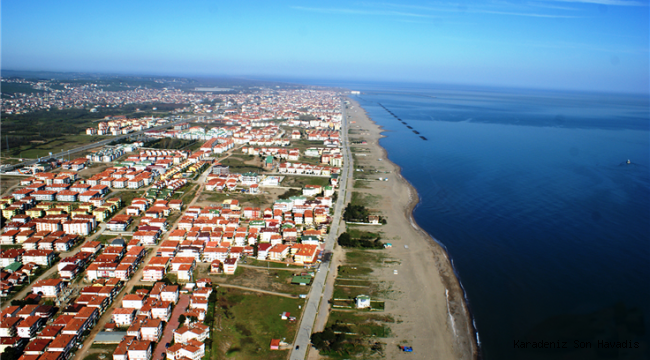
(464, 334)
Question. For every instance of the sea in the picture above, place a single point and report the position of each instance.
(532, 195)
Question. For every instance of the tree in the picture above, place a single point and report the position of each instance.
(192, 319)
(345, 240)
(355, 213)
(208, 319)
(213, 296)
(327, 340)
(323, 340)
(181, 319)
(10, 353)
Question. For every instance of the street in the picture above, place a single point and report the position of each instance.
(303, 338)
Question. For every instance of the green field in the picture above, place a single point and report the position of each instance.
(186, 193)
(249, 321)
(303, 144)
(271, 264)
(40, 148)
(363, 323)
(170, 143)
(101, 349)
(39, 130)
(126, 195)
(367, 200)
(238, 165)
(105, 239)
(361, 183)
(261, 279)
(244, 199)
(13, 88)
(301, 181)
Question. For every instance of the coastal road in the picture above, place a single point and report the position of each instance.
(325, 308)
(303, 338)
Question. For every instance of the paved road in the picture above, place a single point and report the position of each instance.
(168, 333)
(325, 308)
(315, 295)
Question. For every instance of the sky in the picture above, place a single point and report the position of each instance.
(599, 45)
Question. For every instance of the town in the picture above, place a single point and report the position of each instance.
(128, 246)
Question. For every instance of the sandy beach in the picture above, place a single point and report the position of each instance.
(428, 305)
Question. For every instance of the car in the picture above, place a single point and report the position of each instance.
(395, 272)
(297, 347)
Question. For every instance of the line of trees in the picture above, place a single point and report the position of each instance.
(366, 241)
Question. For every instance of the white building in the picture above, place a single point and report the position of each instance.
(123, 316)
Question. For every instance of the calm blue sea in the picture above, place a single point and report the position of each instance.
(547, 225)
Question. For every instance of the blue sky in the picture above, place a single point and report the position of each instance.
(565, 44)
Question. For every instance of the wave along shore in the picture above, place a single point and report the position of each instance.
(430, 307)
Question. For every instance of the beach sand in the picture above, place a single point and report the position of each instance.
(427, 303)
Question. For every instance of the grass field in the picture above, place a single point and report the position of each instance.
(186, 193)
(126, 195)
(360, 183)
(239, 165)
(271, 264)
(40, 149)
(303, 144)
(249, 321)
(262, 279)
(358, 266)
(301, 181)
(104, 239)
(362, 323)
(359, 198)
(7, 181)
(107, 351)
(359, 234)
(244, 199)
(13, 88)
(171, 143)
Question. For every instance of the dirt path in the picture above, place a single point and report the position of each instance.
(272, 268)
(257, 290)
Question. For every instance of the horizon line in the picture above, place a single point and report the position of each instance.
(305, 81)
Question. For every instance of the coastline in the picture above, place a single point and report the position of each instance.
(452, 305)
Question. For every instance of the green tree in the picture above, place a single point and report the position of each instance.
(10, 353)
(355, 213)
